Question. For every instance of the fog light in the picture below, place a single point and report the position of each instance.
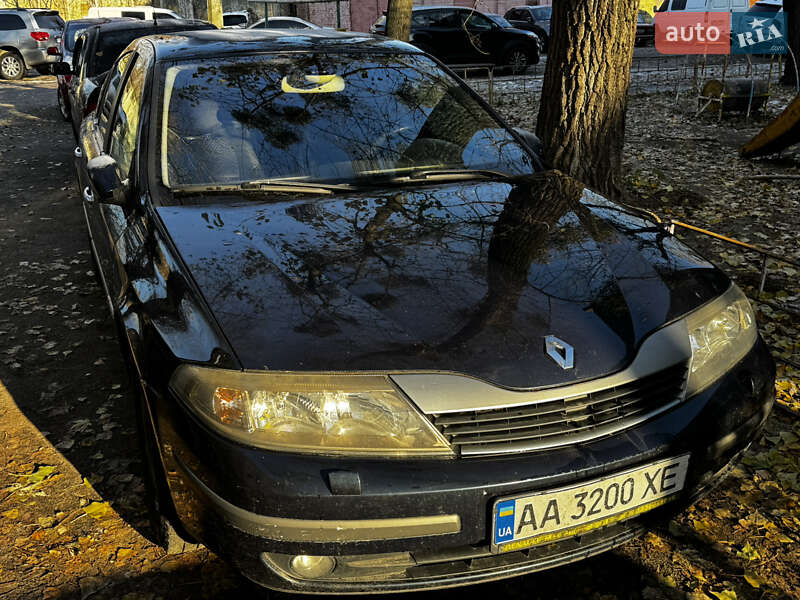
(312, 567)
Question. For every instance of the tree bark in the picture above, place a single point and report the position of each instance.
(792, 10)
(584, 95)
(398, 19)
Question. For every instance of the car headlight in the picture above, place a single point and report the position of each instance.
(317, 413)
(721, 333)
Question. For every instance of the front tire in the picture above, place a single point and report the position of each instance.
(62, 105)
(11, 65)
(518, 60)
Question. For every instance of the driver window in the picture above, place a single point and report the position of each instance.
(477, 22)
(125, 128)
(109, 96)
(76, 53)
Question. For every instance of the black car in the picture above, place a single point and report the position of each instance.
(66, 46)
(378, 346)
(94, 51)
(645, 29)
(459, 36)
(532, 18)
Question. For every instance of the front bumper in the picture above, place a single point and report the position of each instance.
(420, 524)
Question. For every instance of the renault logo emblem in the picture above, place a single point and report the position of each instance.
(560, 351)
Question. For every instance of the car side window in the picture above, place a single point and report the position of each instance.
(76, 53)
(678, 4)
(133, 13)
(426, 18)
(109, 96)
(448, 18)
(11, 23)
(476, 22)
(125, 128)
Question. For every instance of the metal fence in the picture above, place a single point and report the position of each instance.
(649, 74)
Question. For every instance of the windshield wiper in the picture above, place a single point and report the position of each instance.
(453, 174)
(263, 185)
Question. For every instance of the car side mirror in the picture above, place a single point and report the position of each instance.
(61, 68)
(108, 188)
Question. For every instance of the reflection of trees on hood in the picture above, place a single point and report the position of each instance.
(520, 237)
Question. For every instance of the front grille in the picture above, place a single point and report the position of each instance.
(570, 420)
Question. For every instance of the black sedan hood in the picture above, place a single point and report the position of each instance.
(466, 277)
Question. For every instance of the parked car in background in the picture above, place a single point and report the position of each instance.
(703, 5)
(66, 45)
(645, 29)
(283, 23)
(136, 12)
(238, 18)
(378, 348)
(458, 35)
(532, 18)
(28, 40)
(95, 50)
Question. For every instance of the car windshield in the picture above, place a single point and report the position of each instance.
(324, 118)
(71, 33)
(543, 13)
(111, 45)
(500, 21)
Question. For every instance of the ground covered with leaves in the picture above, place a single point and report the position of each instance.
(73, 520)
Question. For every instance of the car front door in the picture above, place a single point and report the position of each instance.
(449, 36)
(105, 221)
(484, 41)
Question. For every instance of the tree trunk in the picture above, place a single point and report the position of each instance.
(792, 10)
(398, 19)
(584, 95)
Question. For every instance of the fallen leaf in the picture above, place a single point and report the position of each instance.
(99, 510)
(40, 474)
(753, 579)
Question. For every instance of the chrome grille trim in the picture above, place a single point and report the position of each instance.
(559, 422)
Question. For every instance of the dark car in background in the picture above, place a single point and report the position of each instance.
(28, 40)
(97, 47)
(645, 29)
(532, 18)
(457, 36)
(66, 46)
(403, 358)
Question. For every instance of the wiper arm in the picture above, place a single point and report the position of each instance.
(453, 174)
(444, 174)
(263, 185)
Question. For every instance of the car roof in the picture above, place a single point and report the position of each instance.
(99, 20)
(148, 24)
(213, 43)
(441, 6)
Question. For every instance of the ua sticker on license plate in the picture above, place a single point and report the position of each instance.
(524, 521)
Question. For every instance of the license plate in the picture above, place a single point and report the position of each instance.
(523, 521)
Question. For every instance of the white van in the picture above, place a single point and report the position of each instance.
(137, 12)
(703, 5)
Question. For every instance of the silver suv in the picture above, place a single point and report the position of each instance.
(26, 36)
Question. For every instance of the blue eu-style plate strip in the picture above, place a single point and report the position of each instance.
(504, 522)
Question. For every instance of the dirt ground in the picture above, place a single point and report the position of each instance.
(73, 522)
